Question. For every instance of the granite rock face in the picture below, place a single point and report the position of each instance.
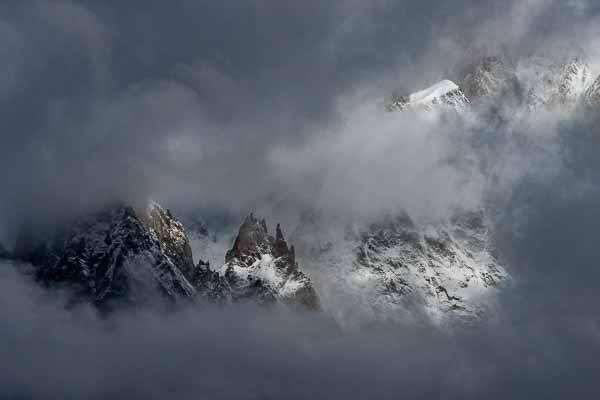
(448, 268)
(395, 268)
(109, 257)
(490, 76)
(121, 255)
(172, 238)
(262, 267)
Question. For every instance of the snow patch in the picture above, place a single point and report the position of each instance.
(429, 95)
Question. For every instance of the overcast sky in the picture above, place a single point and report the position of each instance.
(196, 102)
(228, 105)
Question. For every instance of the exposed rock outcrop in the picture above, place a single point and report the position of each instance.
(592, 95)
(396, 268)
(109, 257)
(172, 238)
(489, 77)
(448, 267)
(262, 267)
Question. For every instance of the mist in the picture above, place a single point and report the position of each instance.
(279, 107)
(96, 103)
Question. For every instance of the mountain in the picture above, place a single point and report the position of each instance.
(575, 80)
(542, 80)
(395, 266)
(538, 80)
(442, 94)
(592, 95)
(122, 255)
(263, 267)
(114, 256)
(447, 267)
(489, 77)
(172, 237)
(548, 81)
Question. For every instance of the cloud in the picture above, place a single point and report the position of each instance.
(196, 104)
(239, 106)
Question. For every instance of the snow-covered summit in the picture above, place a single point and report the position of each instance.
(432, 93)
(540, 80)
(444, 93)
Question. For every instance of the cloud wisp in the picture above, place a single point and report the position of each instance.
(233, 107)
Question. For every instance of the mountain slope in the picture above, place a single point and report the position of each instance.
(592, 95)
(171, 236)
(487, 78)
(444, 94)
(396, 268)
(575, 79)
(542, 80)
(539, 80)
(108, 257)
(262, 267)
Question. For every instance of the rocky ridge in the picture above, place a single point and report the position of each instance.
(393, 266)
(121, 255)
(592, 95)
(539, 81)
(108, 257)
(264, 267)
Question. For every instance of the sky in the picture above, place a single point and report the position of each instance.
(233, 106)
(194, 103)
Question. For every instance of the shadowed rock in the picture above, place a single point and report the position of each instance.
(107, 258)
(262, 267)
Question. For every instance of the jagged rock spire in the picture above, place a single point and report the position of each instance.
(263, 224)
(263, 268)
(278, 234)
(281, 247)
(252, 241)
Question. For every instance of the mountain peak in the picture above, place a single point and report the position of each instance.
(107, 257)
(444, 93)
(260, 266)
(171, 236)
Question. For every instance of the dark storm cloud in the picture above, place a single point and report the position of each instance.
(200, 100)
(543, 342)
(185, 100)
